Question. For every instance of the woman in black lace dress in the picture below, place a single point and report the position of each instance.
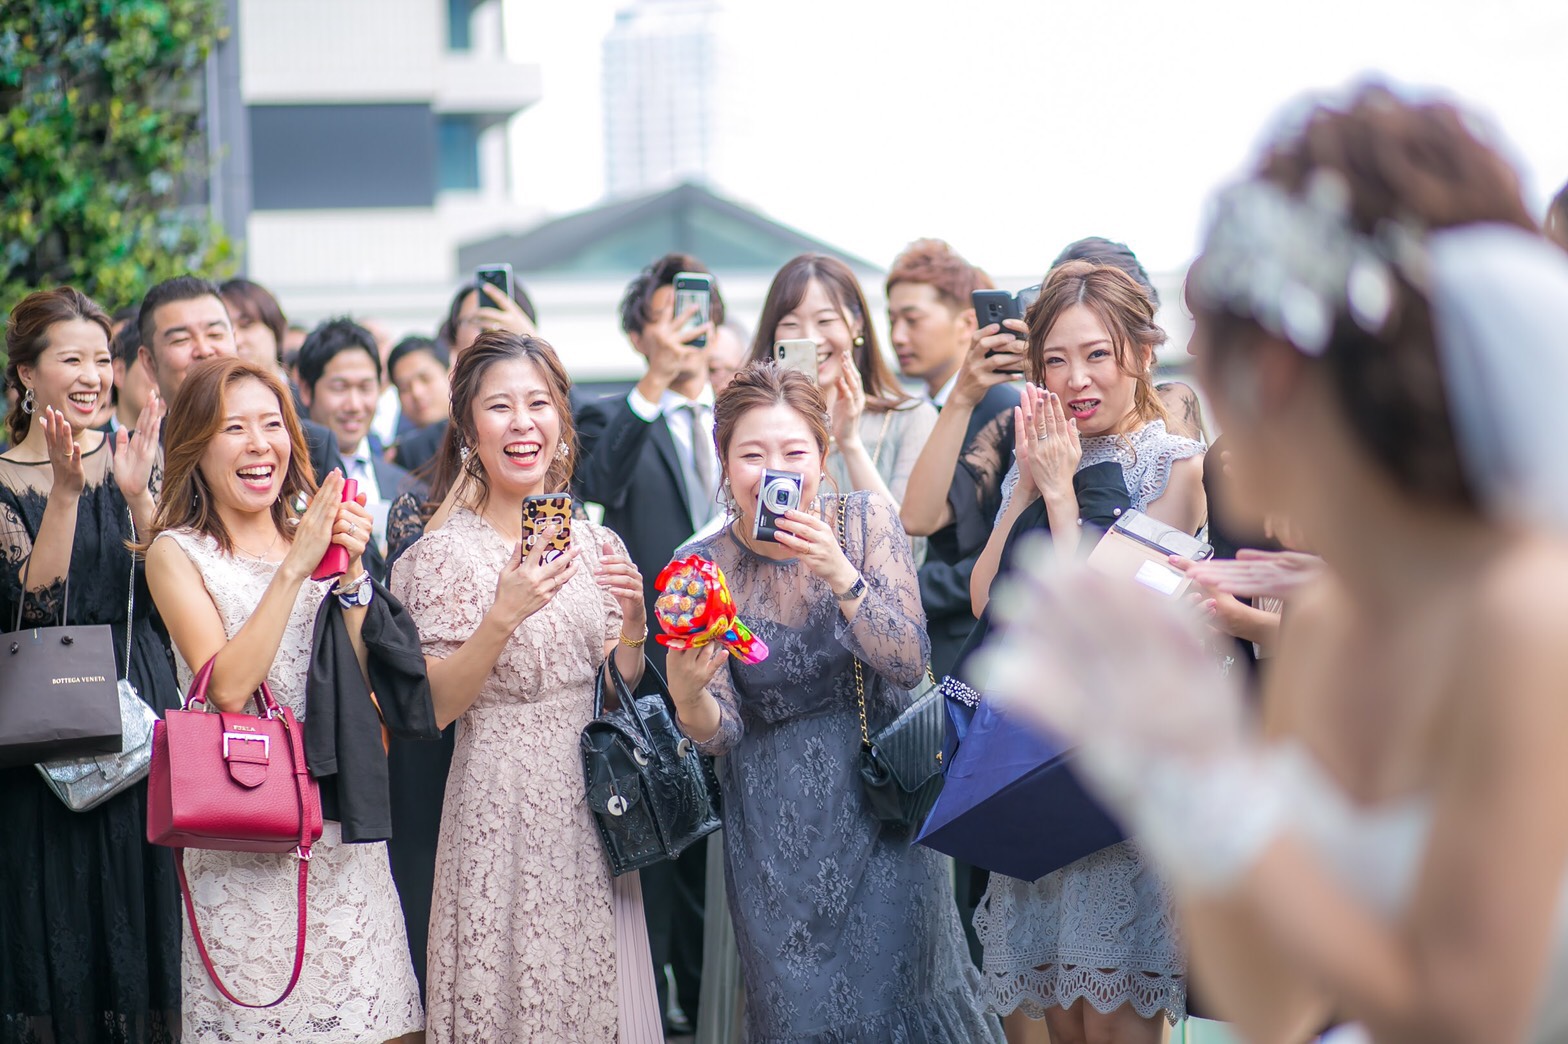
(89, 912)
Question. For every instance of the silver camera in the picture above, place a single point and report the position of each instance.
(780, 492)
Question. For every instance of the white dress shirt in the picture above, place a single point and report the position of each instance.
(703, 504)
(359, 467)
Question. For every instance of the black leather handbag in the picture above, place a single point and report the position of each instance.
(901, 766)
(651, 794)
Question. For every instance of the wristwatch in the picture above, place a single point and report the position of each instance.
(856, 589)
(357, 594)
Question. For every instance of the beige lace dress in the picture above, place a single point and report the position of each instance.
(531, 939)
(358, 983)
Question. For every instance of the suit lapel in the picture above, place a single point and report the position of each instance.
(664, 442)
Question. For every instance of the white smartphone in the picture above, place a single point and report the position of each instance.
(797, 354)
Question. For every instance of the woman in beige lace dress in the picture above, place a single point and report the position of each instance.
(229, 569)
(531, 939)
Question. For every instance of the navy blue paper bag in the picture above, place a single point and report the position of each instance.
(1011, 804)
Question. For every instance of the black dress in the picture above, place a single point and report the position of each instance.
(89, 911)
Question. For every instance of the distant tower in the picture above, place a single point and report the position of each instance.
(660, 109)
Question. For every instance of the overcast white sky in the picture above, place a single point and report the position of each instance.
(1010, 127)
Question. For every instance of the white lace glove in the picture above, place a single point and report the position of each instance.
(1122, 673)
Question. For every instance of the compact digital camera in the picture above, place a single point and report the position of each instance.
(780, 492)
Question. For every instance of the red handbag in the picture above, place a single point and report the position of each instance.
(234, 782)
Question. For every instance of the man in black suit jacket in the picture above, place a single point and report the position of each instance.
(340, 384)
(183, 321)
(649, 458)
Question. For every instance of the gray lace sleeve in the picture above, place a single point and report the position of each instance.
(889, 629)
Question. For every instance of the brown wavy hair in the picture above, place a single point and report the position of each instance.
(1123, 308)
(936, 264)
(1418, 163)
(789, 289)
(195, 416)
(27, 336)
(759, 386)
(488, 349)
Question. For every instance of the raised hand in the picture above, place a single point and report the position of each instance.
(65, 453)
(503, 313)
(691, 670)
(135, 455)
(1048, 442)
(352, 530)
(619, 575)
(981, 369)
(316, 529)
(850, 404)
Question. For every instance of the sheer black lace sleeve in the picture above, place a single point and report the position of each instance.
(41, 605)
(405, 524)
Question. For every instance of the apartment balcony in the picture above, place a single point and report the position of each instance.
(487, 86)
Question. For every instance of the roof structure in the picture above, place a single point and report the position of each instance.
(625, 235)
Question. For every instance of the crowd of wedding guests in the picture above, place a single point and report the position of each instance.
(1335, 758)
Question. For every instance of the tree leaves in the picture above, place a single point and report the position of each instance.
(102, 146)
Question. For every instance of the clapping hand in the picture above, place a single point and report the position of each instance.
(619, 576)
(136, 454)
(1046, 443)
(850, 403)
(65, 453)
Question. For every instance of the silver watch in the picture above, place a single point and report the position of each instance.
(856, 589)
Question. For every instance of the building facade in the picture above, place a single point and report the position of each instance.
(369, 140)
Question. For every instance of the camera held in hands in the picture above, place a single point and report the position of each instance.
(780, 492)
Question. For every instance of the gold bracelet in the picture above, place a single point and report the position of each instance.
(638, 643)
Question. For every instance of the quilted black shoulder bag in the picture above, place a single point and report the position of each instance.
(651, 793)
(901, 765)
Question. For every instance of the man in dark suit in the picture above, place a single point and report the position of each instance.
(183, 321)
(649, 458)
(340, 385)
(932, 324)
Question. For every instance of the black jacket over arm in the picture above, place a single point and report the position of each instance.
(953, 550)
(630, 466)
(342, 727)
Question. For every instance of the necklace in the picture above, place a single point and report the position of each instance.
(263, 556)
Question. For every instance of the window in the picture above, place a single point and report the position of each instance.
(459, 26)
(458, 163)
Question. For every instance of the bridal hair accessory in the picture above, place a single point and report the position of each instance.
(1294, 264)
(695, 607)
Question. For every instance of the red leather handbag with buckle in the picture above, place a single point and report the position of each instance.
(235, 782)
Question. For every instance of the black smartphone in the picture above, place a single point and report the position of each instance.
(992, 306)
(694, 288)
(498, 275)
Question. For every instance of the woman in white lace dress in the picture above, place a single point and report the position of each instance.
(531, 939)
(1092, 947)
(229, 567)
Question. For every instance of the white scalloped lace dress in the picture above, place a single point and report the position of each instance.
(357, 985)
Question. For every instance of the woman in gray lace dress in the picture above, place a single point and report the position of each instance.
(845, 931)
(1091, 948)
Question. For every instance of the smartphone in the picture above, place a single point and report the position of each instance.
(1025, 298)
(497, 275)
(992, 306)
(797, 354)
(335, 561)
(694, 288)
(538, 512)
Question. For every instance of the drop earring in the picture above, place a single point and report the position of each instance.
(561, 452)
(29, 402)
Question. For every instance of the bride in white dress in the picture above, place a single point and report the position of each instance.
(1384, 338)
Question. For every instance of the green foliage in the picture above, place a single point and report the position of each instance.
(101, 150)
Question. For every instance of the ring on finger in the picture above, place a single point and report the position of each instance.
(1041, 437)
